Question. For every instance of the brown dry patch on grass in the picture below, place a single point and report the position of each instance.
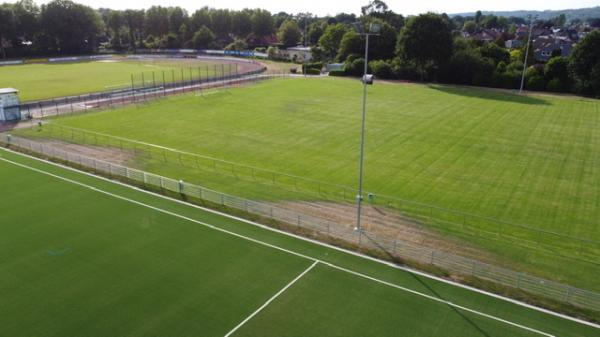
(388, 224)
(108, 154)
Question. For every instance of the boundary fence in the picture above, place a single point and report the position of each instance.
(395, 248)
(139, 92)
(444, 220)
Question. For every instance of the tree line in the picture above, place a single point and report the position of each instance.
(428, 47)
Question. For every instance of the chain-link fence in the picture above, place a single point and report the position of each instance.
(395, 248)
(444, 220)
(144, 87)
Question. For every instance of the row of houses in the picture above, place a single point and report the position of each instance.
(546, 41)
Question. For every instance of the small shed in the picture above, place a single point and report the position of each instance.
(9, 105)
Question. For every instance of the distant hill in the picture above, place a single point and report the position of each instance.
(582, 13)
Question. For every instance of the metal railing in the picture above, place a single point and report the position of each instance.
(446, 221)
(396, 248)
(135, 93)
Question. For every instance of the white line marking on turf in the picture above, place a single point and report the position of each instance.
(271, 299)
(278, 248)
(265, 227)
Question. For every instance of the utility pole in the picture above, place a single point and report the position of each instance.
(526, 53)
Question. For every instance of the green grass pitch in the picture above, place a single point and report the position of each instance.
(529, 160)
(42, 81)
(84, 256)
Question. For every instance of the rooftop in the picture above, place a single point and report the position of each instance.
(8, 91)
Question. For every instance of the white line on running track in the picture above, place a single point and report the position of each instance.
(271, 300)
(278, 248)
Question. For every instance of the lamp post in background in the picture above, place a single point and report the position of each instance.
(367, 80)
(527, 52)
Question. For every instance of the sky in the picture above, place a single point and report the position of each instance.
(321, 7)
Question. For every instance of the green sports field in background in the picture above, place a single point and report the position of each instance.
(41, 81)
(529, 160)
(84, 256)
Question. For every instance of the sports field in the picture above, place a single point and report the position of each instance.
(88, 257)
(41, 81)
(529, 160)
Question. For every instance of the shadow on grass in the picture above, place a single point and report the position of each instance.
(490, 94)
(480, 331)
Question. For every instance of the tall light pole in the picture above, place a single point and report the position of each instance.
(305, 39)
(526, 53)
(373, 31)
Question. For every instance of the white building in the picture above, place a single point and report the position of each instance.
(297, 54)
(9, 105)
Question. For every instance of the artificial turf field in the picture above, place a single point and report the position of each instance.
(42, 81)
(530, 160)
(83, 256)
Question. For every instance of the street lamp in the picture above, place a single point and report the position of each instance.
(366, 80)
(527, 52)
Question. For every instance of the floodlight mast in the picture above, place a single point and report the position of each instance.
(527, 52)
(373, 31)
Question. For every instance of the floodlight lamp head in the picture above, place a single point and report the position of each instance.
(375, 28)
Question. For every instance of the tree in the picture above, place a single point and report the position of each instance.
(134, 20)
(289, 33)
(470, 27)
(58, 19)
(7, 26)
(383, 46)
(374, 6)
(352, 43)
(203, 38)
(241, 23)
(200, 18)
(157, 21)
(177, 18)
(114, 22)
(26, 17)
(495, 53)
(331, 39)
(426, 40)
(220, 22)
(315, 31)
(556, 72)
(262, 23)
(585, 64)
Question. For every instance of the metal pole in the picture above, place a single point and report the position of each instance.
(526, 55)
(359, 197)
(132, 88)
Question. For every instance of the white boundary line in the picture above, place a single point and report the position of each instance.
(319, 243)
(278, 248)
(271, 299)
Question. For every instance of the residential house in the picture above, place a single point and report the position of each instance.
(545, 46)
(513, 44)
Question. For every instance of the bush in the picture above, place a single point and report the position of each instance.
(506, 80)
(382, 69)
(314, 65)
(555, 85)
(536, 83)
(337, 73)
(355, 68)
(311, 71)
(405, 70)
